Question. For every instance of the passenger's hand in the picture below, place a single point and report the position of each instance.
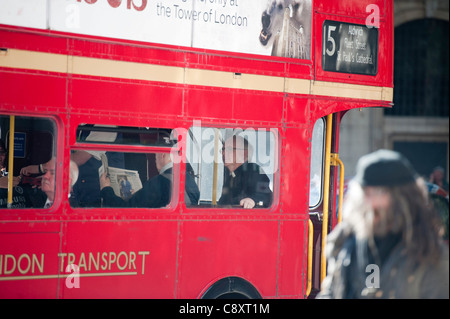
(104, 181)
(16, 180)
(4, 181)
(30, 169)
(247, 203)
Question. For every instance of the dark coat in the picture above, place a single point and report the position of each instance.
(20, 198)
(155, 193)
(249, 182)
(87, 188)
(400, 276)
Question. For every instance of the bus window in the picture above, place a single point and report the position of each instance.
(317, 158)
(123, 179)
(33, 165)
(231, 167)
(122, 135)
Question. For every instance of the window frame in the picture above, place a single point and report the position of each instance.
(133, 149)
(273, 176)
(56, 150)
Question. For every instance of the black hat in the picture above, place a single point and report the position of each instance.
(384, 168)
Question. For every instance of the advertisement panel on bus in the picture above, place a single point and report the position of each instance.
(227, 25)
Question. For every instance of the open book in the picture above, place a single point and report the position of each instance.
(123, 181)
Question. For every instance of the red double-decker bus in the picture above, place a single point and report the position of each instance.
(143, 98)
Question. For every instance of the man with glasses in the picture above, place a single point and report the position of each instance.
(245, 184)
(42, 196)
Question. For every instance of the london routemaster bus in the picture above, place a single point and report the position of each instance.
(96, 94)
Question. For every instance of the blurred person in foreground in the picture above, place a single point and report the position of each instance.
(389, 243)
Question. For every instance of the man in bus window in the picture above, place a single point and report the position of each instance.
(245, 184)
(87, 189)
(155, 193)
(44, 195)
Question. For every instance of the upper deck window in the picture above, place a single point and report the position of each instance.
(123, 135)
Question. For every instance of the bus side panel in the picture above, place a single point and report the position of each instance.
(294, 198)
(17, 39)
(121, 259)
(109, 97)
(262, 107)
(292, 273)
(19, 89)
(216, 103)
(212, 250)
(210, 103)
(295, 168)
(29, 260)
(298, 110)
(129, 53)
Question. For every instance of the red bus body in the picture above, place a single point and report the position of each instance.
(178, 251)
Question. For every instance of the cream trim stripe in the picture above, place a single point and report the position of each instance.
(51, 62)
(100, 274)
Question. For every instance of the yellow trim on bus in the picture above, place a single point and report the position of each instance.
(53, 62)
(326, 197)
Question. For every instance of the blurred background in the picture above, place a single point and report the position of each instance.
(418, 125)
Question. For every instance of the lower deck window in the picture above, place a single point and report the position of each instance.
(232, 167)
(123, 179)
(33, 165)
(116, 179)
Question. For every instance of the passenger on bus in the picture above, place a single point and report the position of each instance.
(438, 177)
(19, 200)
(388, 245)
(48, 181)
(87, 188)
(191, 192)
(245, 184)
(155, 193)
(4, 169)
(73, 177)
(2, 159)
(44, 195)
(88, 193)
